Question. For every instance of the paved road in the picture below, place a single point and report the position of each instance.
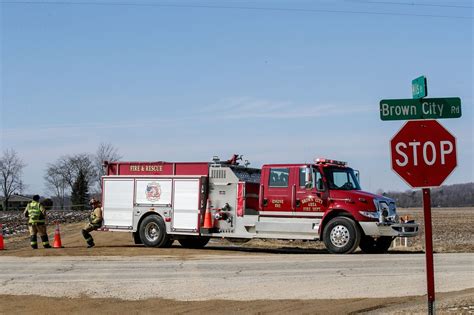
(275, 276)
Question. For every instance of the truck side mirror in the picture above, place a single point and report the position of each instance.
(308, 178)
(356, 172)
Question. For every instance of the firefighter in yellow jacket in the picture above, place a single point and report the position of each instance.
(95, 222)
(36, 215)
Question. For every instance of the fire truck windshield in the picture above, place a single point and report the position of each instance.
(339, 178)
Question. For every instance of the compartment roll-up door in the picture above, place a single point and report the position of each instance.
(118, 203)
(186, 204)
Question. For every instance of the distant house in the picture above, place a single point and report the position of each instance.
(15, 202)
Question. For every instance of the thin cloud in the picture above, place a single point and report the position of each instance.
(79, 130)
(233, 108)
(238, 108)
(84, 126)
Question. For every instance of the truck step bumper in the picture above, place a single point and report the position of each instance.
(398, 229)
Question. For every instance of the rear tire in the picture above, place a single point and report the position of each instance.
(194, 242)
(153, 232)
(341, 235)
(370, 245)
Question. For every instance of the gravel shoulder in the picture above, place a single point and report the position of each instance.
(461, 302)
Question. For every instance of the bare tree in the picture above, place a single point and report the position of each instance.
(61, 175)
(11, 169)
(82, 162)
(105, 152)
(69, 166)
(56, 183)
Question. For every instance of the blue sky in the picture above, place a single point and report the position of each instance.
(186, 80)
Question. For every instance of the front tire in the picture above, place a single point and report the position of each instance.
(370, 245)
(341, 235)
(153, 232)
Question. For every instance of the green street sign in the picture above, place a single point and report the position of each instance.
(423, 108)
(419, 88)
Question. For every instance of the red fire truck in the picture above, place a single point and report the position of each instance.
(160, 202)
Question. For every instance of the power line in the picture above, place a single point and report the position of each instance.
(89, 3)
(413, 4)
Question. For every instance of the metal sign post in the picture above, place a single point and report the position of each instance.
(429, 250)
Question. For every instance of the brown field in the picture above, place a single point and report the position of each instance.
(453, 229)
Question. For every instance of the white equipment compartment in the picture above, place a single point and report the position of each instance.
(186, 204)
(118, 202)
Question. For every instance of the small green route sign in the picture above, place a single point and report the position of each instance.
(419, 87)
(422, 108)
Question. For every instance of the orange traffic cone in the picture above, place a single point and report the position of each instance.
(207, 216)
(57, 238)
(2, 246)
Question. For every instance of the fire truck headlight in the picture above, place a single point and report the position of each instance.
(370, 214)
(384, 208)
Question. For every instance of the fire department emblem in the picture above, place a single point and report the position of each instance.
(153, 191)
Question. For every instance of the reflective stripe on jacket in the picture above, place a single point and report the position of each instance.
(35, 214)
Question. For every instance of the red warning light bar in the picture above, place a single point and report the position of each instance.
(328, 161)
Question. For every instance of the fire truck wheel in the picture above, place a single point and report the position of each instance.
(380, 245)
(153, 232)
(341, 235)
(194, 242)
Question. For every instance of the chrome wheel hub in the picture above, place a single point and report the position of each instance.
(152, 231)
(340, 236)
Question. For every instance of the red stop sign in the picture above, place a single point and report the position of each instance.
(423, 153)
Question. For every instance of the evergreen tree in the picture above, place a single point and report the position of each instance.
(80, 192)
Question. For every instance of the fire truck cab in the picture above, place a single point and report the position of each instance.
(160, 202)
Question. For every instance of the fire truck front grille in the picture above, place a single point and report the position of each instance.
(218, 174)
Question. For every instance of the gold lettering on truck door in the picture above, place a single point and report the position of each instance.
(311, 203)
(277, 203)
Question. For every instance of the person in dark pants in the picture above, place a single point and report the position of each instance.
(36, 215)
(95, 222)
